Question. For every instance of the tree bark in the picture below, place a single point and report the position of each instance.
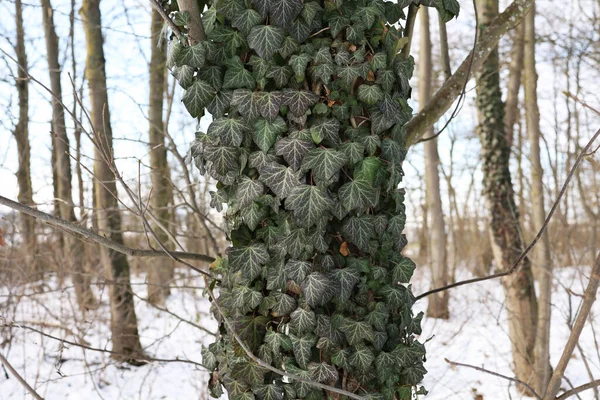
(444, 53)
(195, 28)
(438, 302)
(514, 84)
(21, 134)
(498, 189)
(159, 270)
(542, 256)
(125, 338)
(73, 249)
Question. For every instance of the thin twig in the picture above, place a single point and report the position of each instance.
(22, 381)
(156, 5)
(582, 155)
(579, 389)
(457, 364)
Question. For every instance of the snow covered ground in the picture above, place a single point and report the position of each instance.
(476, 334)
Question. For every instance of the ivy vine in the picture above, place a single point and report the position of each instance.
(308, 100)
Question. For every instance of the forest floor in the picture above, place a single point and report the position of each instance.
(476, 334)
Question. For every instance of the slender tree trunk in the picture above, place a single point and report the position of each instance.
(514, 84)
(159, 269)
(444, 53)
(21, 134)
(498, 189)
(542, 260)
(125, 338)
(72, 247)
(438, 303)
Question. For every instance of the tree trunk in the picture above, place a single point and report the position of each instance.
(438, 302)
(542, 257)
(514, 84)
(125, 338)
(21, 134)
(72, 246)
(159, 269)
(498, 189)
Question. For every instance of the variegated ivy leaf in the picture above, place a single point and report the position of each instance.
(298, 62)
(309, 203)
(323, 72)
(219, 104)
(280, 179)
(297, 270)
(246, 103)
(370, 94)
(266, 132)
(230, 131)
(299, 29)
(348, 73)
(289, 47)
(249, 259)
(354, 151)
(322, 372)
(193, 56)
(358, 230)
(409, 354)
(184, 75)
(197, 97)
(361, 358)
(280, 75)
(403, 270)
(284, 11)
(269, 104)
(223, 159)
(347, 278)
(237, 76)
(265, 40)
(293, 150)
(209, 18)
(387, 79)
(398, 296)
(357, 331)
(213, 75)
(284, 304)
(229, 8)
(396, 224)
(246, 20)
(337, 22)
(299, 101)
(227, 39)
(324, 163)
(311, 10)
(326, 130)
(268, 392)
(208, 359)
(262, 6)
(303, 320)
(302, 389)
(302, 347)
(317, 289)
(248, 190)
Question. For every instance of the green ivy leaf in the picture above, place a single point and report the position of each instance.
(362, 358)
(229, 8)
(249, 259)
(219, 104)
(359, 230)
(369, 94)
(246, 103)
(299, 101)
(223, 159)
(284, 304)
(317, 289)
(184, 75)
(324, 163)
(280, 75)
(237, 76)
(197, 97)
(268, 392)
(193, 56)
(298, 62)
(357, 331)
(302, 347)
(293, 150)
(309, 203)
(266, 132)
(358, 194)
(284, 11)
(303, 320)
(322, 372)
(269, 104)
(299, 30)
(326, 130)
(246, 20)
(280, 179)
(347, 279)
(265, 40)
(248, 190)
(230, 131)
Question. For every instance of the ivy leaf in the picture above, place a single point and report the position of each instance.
(297, 270)
(316, 289)
(357, 194)
(265, 40)
(268, 392)
(386, 79)
(347, 278)
(246, 104)
(237, 76)
(209, 18)
(323, 72)
(230, 131)
(184, 75)
(223, 158)
(403, 270)
(362, 358)
(303, 320)
(280, 179)
(265, 132)
(262, 6)
(327, 130)
(298, 63)
(414, 374)
(353, 151)
(309, 204)
(248, 259)
(311, 10)
(358, 230)
(249, 372)
(280, 75)
(248, 190)
(322, 372)
(398, 296)
(299, 30)
(337, 22)
(246, 20)
(369, 94)
(357, 331)
(293, 150)
(229, 8)
(197, 97)
(367, 169)
(193, 56)
(212, 74)
(348, 73)
(302, 347)
(209, 361)
(284, 11)
(219, 104)
(409, 354)
(269, 104)
(299, 101)
(324, 163)
(284, 304)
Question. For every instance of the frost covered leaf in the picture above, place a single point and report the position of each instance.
(248, 190)
(309, 203)
(357, 194)
(197, 97)
(265, 40)
(293, 150)
(280, 179)
(248, 259)
(317, 289)
(324, 163)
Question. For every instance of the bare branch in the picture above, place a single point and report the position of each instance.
(93, 236)
(22, 381)
(156, 5)
(579, 389)
(508, 378)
